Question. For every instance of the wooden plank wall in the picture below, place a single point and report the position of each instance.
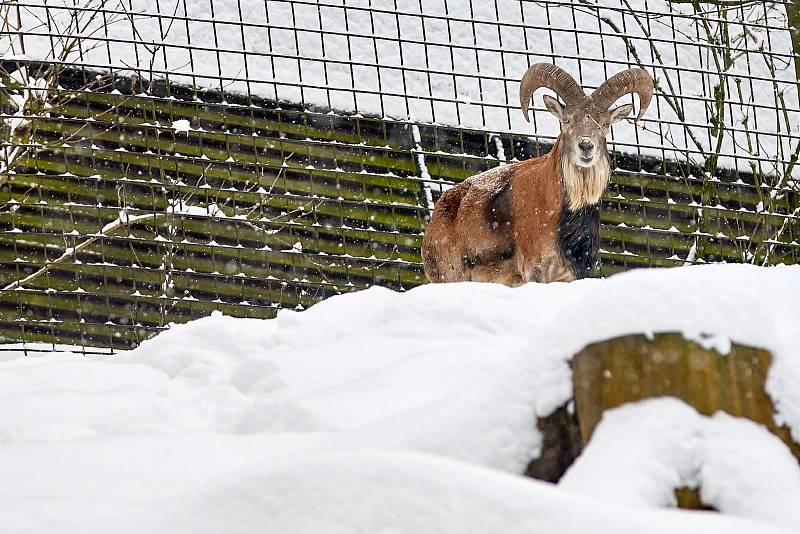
(264, 205)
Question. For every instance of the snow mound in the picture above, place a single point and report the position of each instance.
(455, 373)
(405, 493)
(641, 452)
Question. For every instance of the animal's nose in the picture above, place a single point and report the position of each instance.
(586, 145)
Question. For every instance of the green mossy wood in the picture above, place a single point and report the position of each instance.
(318, 204)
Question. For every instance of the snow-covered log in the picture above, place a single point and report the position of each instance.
(709, 373)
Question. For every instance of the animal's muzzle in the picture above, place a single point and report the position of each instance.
(586, 149)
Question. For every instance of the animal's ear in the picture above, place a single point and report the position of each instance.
(553, 106)
(617, 114)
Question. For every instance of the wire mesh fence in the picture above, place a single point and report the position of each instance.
(163, 159)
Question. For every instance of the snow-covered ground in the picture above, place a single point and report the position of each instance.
(401, 412)
(459, 62)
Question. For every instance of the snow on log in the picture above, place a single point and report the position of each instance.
(709, 373)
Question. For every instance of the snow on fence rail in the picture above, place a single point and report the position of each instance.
(162, 160)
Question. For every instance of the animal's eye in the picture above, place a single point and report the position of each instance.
(566, 120)
(606, 124)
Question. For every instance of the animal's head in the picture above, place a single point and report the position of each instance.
(585, 120)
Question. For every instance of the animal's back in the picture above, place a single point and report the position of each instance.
(476, 211)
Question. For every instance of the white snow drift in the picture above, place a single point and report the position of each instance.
(408, 411)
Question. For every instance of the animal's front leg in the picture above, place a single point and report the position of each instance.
(533, 270)
(549, 269)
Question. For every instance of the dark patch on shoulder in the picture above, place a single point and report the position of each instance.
(449, 203)
(498, 208)
(579, 239)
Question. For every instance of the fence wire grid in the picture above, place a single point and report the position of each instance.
(162, 159)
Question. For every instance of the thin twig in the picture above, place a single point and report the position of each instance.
(123, 221)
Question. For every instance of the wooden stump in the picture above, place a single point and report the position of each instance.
(626, 369)
(561, 444)
(611, 373)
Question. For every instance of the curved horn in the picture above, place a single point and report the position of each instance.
(628, 81)
(552, 77)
